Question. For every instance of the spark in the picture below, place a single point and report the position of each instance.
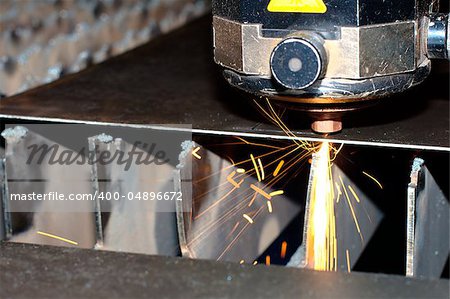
(295, 148)
(283, 249)
(339, 192)
(194, 153)
(233, 182)
(260, 191)
(252, 200)
(273, 116)
(232, 231)
(354, 193)
(244, 169)
(348, 260)
(336, 152)
(249, 219)
(241, 262)
(217, 222)
(256, 167)
(215, 203)
(275, 193)
(351, 208)
(322, 230)
(284, 167)
(374, 179)
(231, 244)
(269, 206)
(231, 160)
(277, 170)
(262, 169)
(58, 238)
(268, 260)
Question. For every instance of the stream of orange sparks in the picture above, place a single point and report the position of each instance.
(321, 243)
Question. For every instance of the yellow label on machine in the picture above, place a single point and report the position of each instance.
(304, 6)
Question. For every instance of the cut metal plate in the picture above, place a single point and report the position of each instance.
(428, 226)
(106, 196)
(355, 219)
(173, 80)
(131, 225)
(3, 215)
(26, 220)
(226, 218)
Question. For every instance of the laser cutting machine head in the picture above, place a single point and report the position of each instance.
(327, 56)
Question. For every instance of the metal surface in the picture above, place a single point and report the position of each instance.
(43, 40)
(173, 82)
(125, 225)
(438, 43)
(41, 177)
(51, 272)
(3, 215)
(249, 52)
(360, 52)
(428, 226)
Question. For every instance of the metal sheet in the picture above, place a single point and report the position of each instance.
(2, 194)
(126, 225)
(43, 40)
(174, 80)
(428, 233)
(26, 219)
(30, 271)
